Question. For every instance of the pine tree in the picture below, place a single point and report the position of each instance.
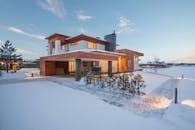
(7, 53)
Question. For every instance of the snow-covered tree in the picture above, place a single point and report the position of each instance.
(7, 53)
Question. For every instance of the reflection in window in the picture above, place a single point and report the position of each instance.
(71, 66)
(74, 43)
(92, 45)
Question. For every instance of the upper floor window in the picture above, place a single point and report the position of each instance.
(74, 43)
(92, 45)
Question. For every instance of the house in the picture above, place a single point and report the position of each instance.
(13, 65)
(74, 55)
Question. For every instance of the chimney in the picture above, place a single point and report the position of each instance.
(111, 41)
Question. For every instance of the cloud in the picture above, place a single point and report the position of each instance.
(20, 31)
(25, 52)
(55, 7)
(82, 16)
(82, 30)
(124, 25)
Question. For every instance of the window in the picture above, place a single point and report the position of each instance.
(92, 45)
(74, 43)
(71, 66)
(67, 47)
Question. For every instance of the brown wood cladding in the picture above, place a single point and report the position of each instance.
(64, 40)
(87, 38)
(129, 52)
(47, 68)
(56, 35)
(129, 57)
(50, 68)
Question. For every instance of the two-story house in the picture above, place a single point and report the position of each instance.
(71, 55)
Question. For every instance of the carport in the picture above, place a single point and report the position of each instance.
(76, 62)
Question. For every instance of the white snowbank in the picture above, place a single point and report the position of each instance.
(178, 71)
(50, 106)
(12, 76)
(152, 80)
(186, 89)
(53, 104)
(181, 116)
(190, 103)
(21, 74)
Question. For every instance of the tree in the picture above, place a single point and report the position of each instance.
(7, 53)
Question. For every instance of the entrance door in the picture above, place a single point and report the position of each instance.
(122, 64)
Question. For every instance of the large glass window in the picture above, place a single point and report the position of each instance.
(74, 43)
(92, 45)
(71, 66)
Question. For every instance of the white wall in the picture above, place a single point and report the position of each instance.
(136, 63)
(80, 45)
(100, 47)
(57, 46)
(49, 49)
(76, 46)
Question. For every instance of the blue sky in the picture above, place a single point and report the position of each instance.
(158, 28)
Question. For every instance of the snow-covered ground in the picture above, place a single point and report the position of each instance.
(47, 103)
(177, 71)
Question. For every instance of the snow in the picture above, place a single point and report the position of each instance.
(153, 80)
(181, 116)
(186, 92)
(21, 74)
(177, 71)
(47, 103)
(6, 76)
(186, 89)
(51, 106)
(188, 102)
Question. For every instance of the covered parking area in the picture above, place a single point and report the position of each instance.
(76, 63)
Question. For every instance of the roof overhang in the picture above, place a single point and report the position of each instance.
(81, 55)
(56, 35)
(127, 51)
(86, 38)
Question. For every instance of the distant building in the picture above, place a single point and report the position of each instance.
(69, 55)
(30, 63)
(14, 65)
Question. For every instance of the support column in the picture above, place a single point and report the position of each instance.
(110, 68)
(78, 70)
(175, 95)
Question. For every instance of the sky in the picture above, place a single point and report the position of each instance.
(163, 29)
